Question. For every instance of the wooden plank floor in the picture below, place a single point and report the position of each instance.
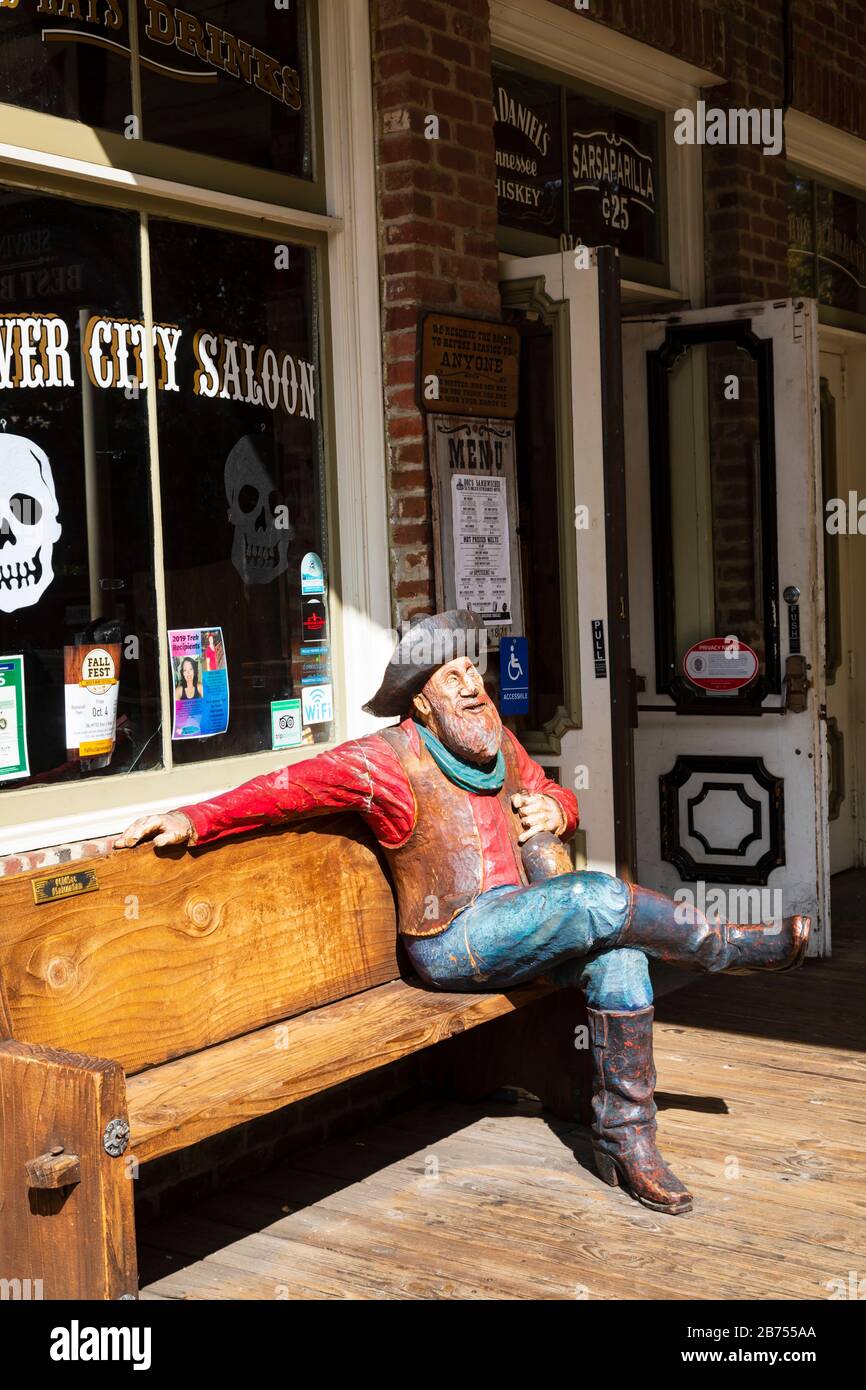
(761, 1093)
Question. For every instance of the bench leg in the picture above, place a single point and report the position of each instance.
(67, 1226)
(542, 1048)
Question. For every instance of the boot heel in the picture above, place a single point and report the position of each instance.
(606, 1169)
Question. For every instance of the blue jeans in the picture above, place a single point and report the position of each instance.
(564, 928)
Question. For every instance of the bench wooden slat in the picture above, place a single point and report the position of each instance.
(193, 1097)
(177, 951)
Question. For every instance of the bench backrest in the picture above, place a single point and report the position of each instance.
(176, 950)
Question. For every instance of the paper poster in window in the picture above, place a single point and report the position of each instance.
(91, 684)
(200, 682)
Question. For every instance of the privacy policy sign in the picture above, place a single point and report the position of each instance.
(720, 664)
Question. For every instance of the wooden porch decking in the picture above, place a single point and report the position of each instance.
(761, 1091)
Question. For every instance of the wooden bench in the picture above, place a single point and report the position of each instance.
(195, 990)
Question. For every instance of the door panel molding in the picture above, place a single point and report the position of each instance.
(697, 804)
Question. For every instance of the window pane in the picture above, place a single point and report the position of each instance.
(76, 544)
(615, 178)
(801, 233)
(243, 497)
(227, 78)
(716, 520)
(538, 494)
(528, 133)
(73, 64)
(841, 238)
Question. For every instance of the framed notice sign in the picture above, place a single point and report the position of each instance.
(469, 367)
(474, 520)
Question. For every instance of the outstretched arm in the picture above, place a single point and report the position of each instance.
(364, 775)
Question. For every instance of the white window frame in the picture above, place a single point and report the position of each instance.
(43, 817)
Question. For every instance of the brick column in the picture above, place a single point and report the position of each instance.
(745, 191)
(437, 203)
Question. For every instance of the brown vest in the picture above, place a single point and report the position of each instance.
(439, 869)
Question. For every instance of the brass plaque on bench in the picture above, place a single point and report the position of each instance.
(54, 886)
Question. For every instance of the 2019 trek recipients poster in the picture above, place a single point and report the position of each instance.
(200, 682)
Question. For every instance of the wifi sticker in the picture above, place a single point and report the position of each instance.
(318, 703)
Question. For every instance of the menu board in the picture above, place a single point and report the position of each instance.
(475, 520)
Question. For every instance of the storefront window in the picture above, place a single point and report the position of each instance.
(242, 485)
(227, 78)
(165, 575)
(217, 77)
(76, 535)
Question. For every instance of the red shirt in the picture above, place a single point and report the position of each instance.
(365, 775)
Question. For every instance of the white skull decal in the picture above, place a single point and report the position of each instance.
(260, 549)
(29, 528)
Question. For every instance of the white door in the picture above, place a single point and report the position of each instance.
(573, 298)
(725, 543)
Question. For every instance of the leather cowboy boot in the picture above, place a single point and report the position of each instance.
(624, 1126)
(681, 934)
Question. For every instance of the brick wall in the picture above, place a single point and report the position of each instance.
(437, 230)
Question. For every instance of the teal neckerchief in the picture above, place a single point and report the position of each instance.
(469, 776)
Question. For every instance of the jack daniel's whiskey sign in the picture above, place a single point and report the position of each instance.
(528, 152)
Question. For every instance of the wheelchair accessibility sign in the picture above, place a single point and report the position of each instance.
(514, 675)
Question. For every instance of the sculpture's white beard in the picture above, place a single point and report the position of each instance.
(474, 733)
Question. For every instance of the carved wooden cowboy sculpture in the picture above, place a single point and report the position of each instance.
(455, 802)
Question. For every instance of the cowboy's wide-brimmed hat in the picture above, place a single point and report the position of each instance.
(427, 644)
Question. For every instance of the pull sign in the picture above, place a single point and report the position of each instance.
(598, 652)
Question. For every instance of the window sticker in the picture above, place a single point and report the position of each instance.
(312, 574)
(286, 727)
(200, 681)
(29, 526)
(260, 526)
(318, 703)
(13, 729)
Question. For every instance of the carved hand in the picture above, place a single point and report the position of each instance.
(169, 827)
(537, 812)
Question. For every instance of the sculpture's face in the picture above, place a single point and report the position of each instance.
(457, 709)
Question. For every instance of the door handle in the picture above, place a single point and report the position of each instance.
(795, 689)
